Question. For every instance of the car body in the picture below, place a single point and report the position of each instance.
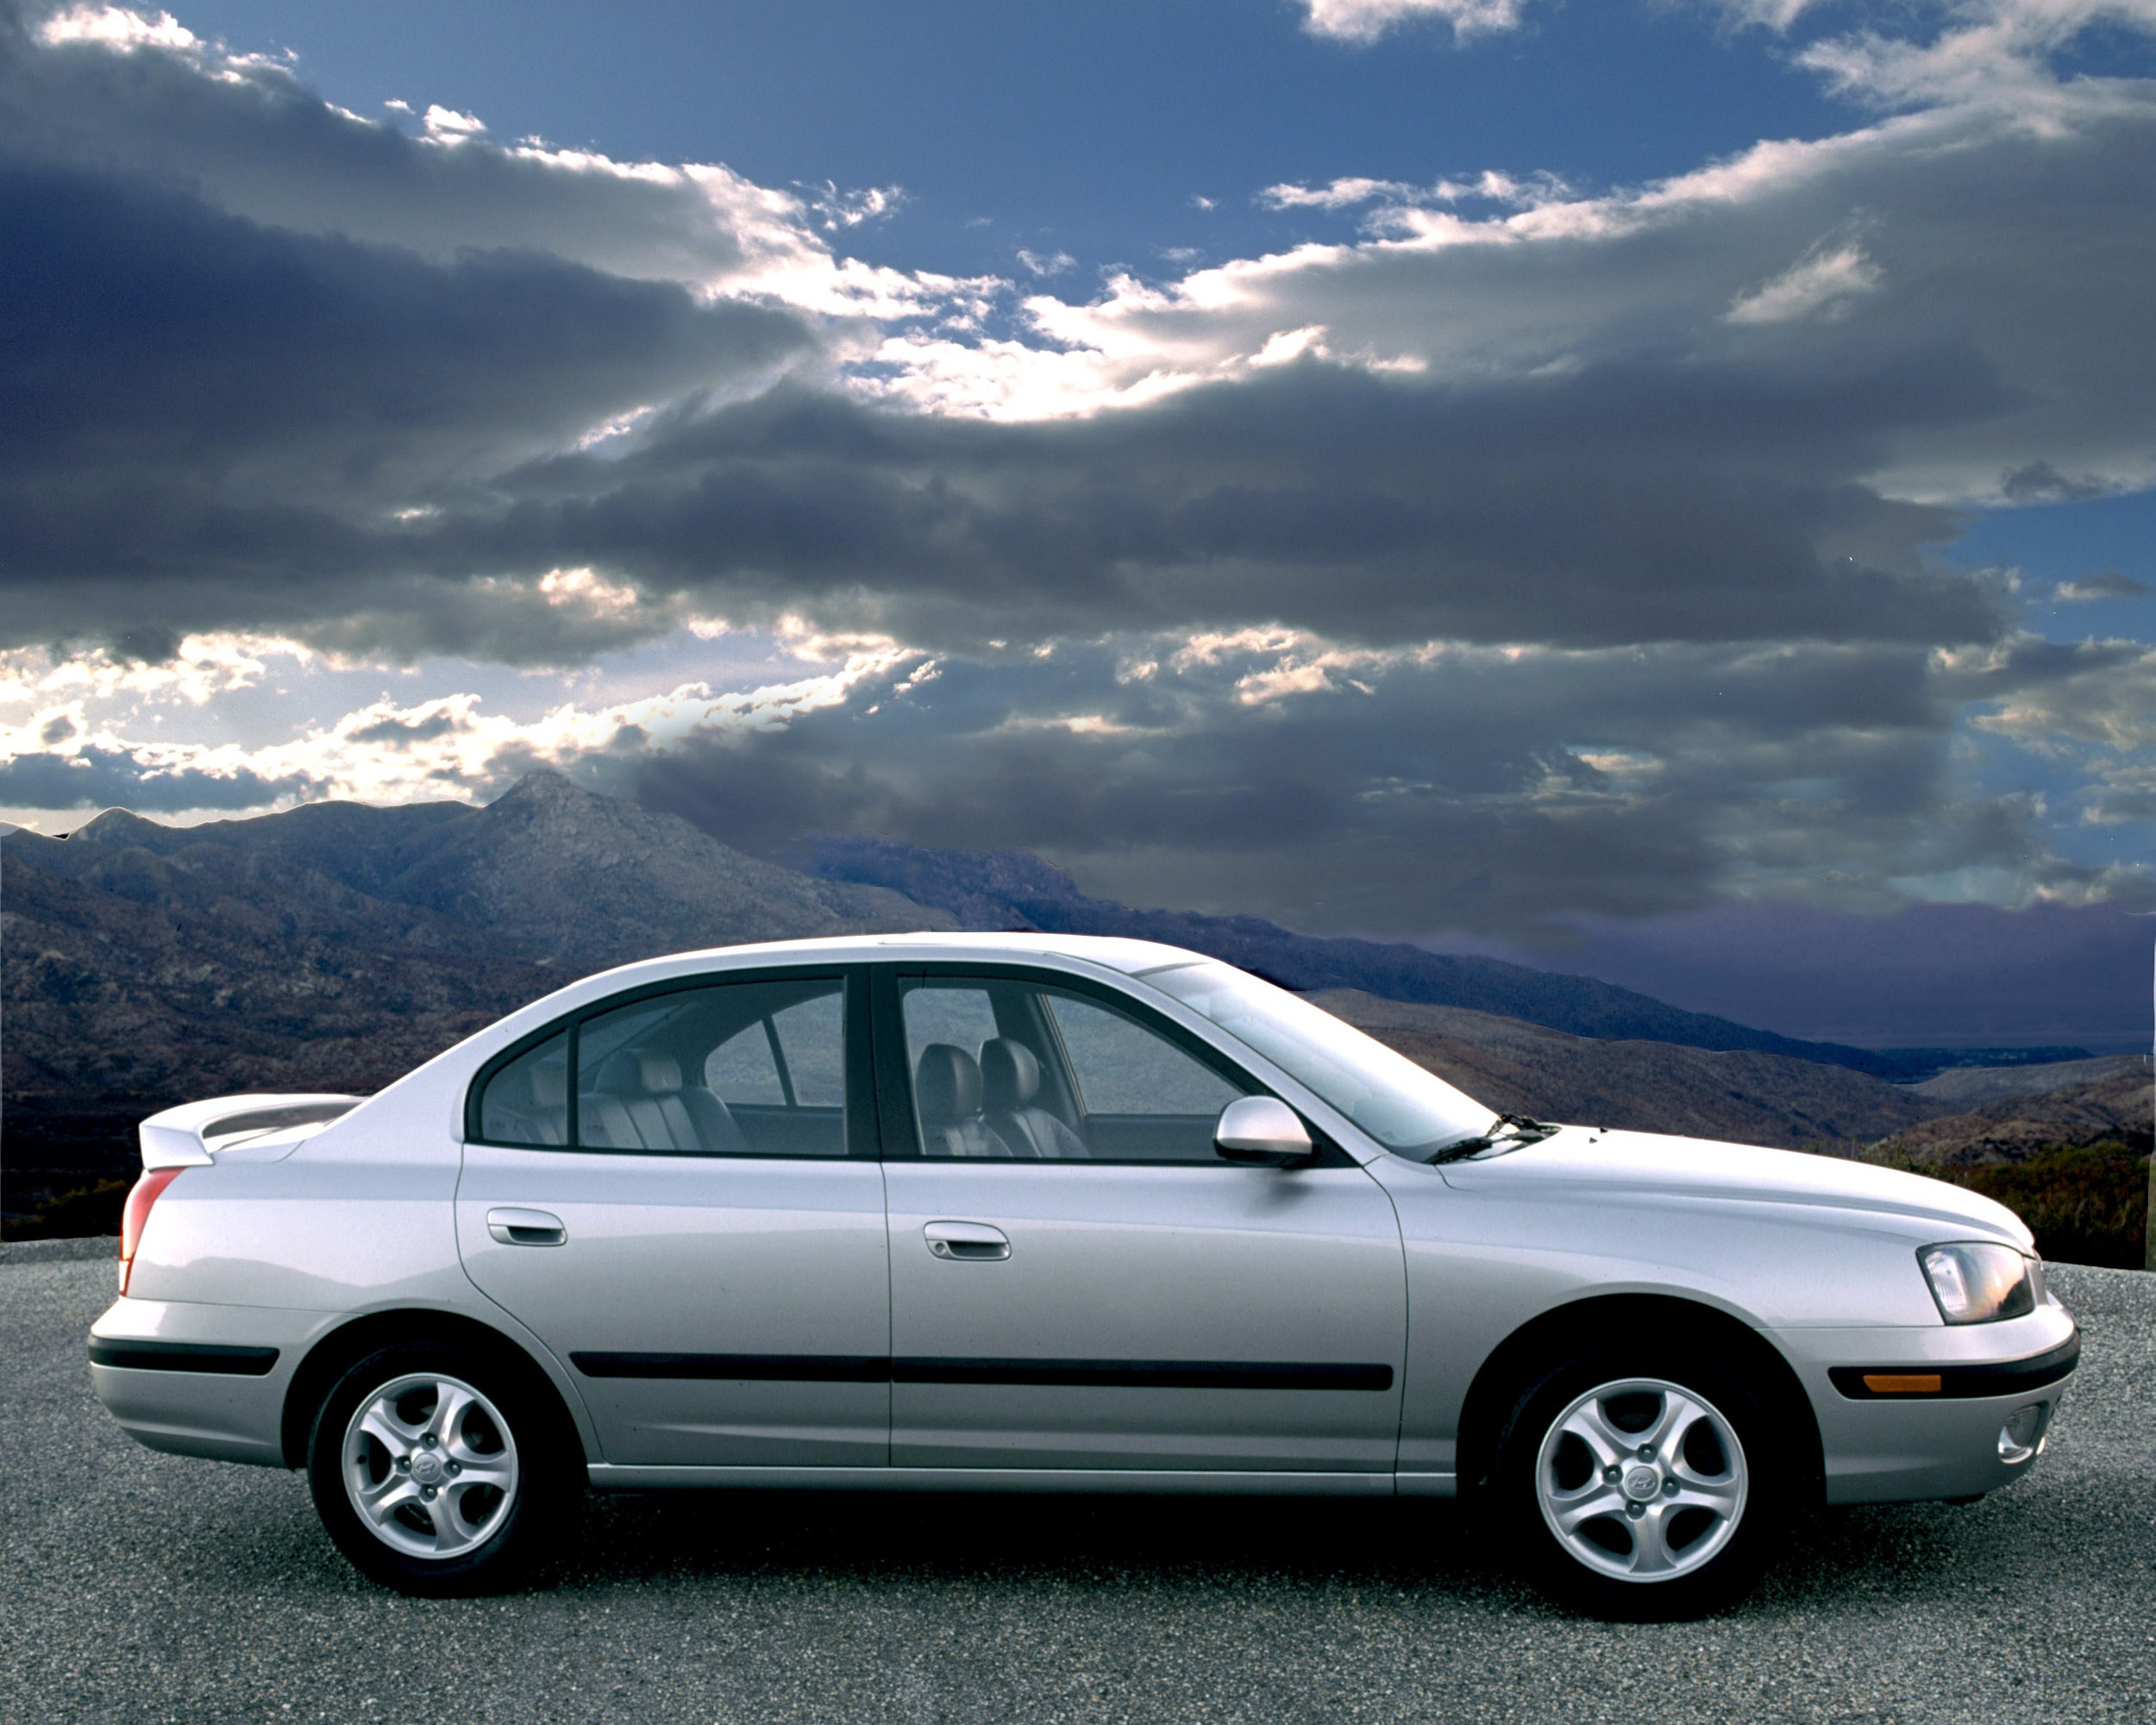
(978, 1212)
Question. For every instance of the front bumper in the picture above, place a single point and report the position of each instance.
(1909, 1414)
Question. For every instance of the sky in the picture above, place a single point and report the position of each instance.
(1539, 478)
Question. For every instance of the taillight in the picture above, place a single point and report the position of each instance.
(146, 1193)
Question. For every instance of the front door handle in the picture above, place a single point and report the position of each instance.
(965, 1240)
(525, 1227)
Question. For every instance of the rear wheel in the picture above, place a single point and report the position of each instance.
(437, 1469)
(1640, 1485)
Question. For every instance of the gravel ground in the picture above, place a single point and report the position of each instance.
(148, 1587)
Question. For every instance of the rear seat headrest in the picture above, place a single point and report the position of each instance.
(1010, 1076)
(946, 1085)
(630, 1072)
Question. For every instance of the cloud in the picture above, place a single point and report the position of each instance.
(1824, 283)
(93, 778)
(123, 93)
(1046, 263)
(2040, 482)
(1405, 790)
(1535, 549)
(2109, 584)
(1579, 418)
(1365, 21)
(1995, 51)
(836, 208)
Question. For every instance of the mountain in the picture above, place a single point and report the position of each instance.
(1017, 890)
(336, 946)
(558, 875)
(2112, 1107)
(1739, 1094)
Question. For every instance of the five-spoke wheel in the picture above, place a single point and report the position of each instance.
(1642, 1483)
(439, 1469)
(1641, 1479)
(429, 1464)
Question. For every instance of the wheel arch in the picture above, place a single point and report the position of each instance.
(1530, 1351)
(335, 1353)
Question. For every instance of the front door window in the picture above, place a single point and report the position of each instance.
(1018, 1071)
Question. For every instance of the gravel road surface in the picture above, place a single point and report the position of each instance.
(135, 1586)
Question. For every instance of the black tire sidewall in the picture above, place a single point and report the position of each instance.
(1717, 1584)
(540, 1520)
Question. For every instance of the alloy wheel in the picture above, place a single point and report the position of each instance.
(1641, 1479)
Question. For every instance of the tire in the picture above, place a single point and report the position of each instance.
(1643, 1484)
(440, 1470)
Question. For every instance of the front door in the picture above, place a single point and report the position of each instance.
(1077, 1280)
(681, 1201)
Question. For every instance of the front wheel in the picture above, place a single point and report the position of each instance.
(437, 1471)
(1642, 1487)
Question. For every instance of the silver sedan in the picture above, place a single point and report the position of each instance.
(1021, 1213)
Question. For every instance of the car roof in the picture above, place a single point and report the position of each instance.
(1113, 952)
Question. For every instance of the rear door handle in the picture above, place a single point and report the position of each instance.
(525, 1227)
(965, 1240)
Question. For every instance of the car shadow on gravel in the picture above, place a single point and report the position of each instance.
(1439, 1550)
(1832, 1560)
(1021, 1539)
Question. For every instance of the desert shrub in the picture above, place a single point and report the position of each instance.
(84, 1211)
(2084, 1203)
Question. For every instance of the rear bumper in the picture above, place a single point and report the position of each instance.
(1906, 1415)
(201, 1380)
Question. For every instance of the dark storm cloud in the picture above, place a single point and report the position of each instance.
(217, 415)
(1623, 503)
(244, 136)
(208, 424)
(104, 778)
(1642, 465)
(1391, 793)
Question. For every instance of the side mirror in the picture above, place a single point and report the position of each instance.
(1263, 1131)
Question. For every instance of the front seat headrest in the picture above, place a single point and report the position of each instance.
(550, 1083)
(1010, 1076)
(660, 1073)
(946, 1085)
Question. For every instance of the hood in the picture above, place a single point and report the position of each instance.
(1653, 1164)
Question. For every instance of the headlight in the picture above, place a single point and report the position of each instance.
(1977, 1281)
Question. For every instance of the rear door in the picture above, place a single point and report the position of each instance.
(1098, 1290)
(678, 1192)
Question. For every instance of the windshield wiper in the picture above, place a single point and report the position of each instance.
(1510, 1129)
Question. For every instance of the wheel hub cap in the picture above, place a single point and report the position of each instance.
(430, 1466)
(1641, 1479)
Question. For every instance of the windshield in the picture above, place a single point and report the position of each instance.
(1398, 1103)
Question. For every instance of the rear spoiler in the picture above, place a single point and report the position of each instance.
(190, 1135)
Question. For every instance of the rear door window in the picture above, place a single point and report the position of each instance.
(749, 1068)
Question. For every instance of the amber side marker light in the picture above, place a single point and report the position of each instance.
(1902, 1382)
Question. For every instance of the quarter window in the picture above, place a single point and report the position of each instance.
(527, 1101)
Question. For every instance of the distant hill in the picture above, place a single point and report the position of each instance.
(1740, 1095)
(2113, 1107)
(1017, 890)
